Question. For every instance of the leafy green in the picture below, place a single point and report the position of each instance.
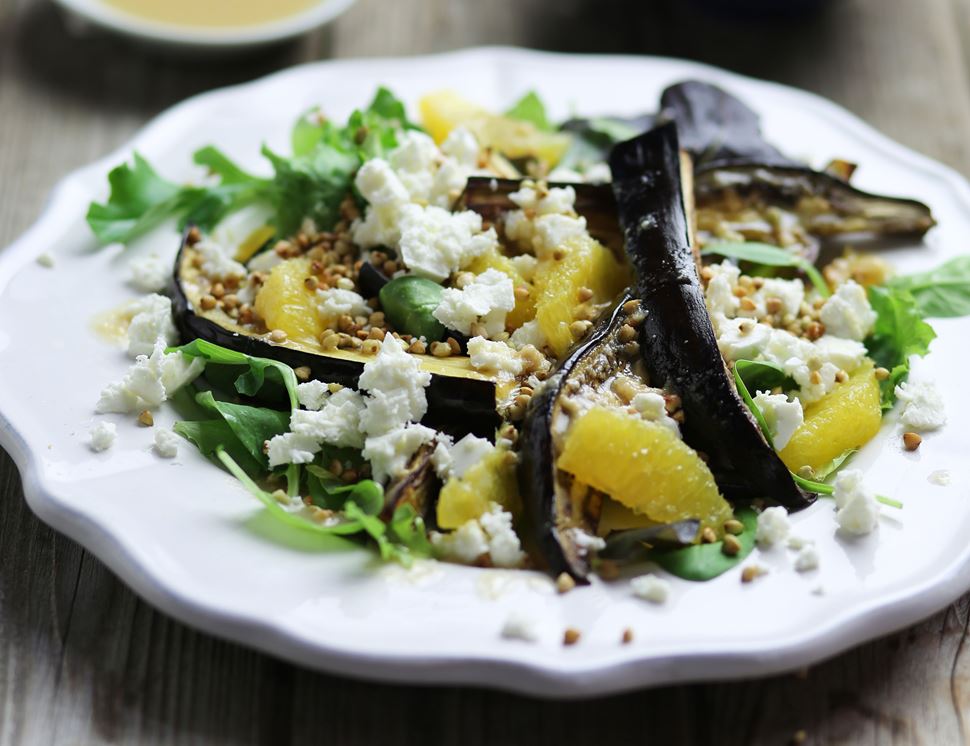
(706, 561)
(770, 256)
(408, 529)
(592, 141)
(252, 426)
(367, 494)
(409, 303)
(530, 108)
(835, 464)
(627, 543)
(755, 409)
(211, 435)
(943, 292)
(257, 368)
(899, 332)
(760, 375)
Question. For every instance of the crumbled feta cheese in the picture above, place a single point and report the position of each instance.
(653, 407)
(387, 195)
(530, 333)
(486, 301)
(389, 453)
(264, 261)
(740, 339)
(503, 544)
(922, 405)
(336, 423)
(464, 545)
(456, 460)
(312, 394)
(553, 233)
(598, 173)
(463, 146)
(651, 588)
(150, 274)
(520, 626)
(217, 264)
(335, 302)
(497, 357)
(791, 293)
(45, 260)
(396, 384)
(547, 221)
(103, 436)
(807, 558)
(292, 448)
(413, 160)
(783, 417)
(940, 477)
(586, 542)
(166, 443)
(151, 320)
(150, 381)
(857, 508)
(720, 289)
(847, 312)
(797, 542)
(526, 265)
(435, 243)
(565, 175)
(846, 354)
(773, 526)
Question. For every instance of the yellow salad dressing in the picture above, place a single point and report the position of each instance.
(212, 13)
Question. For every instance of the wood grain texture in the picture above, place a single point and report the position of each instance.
(82, 660)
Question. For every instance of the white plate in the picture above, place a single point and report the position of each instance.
(188, 538)
(202, 38)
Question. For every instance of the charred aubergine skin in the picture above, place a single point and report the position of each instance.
(458, 404)
(679, 346)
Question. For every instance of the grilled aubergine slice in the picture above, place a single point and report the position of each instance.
(460, 399)
(677, 338)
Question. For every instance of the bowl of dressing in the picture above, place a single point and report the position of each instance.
(214, 25)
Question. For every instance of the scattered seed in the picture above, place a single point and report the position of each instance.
(571, 636)
(734, 527)
(731, 545)
(565, 583)
(911, 441)
(631, 306)
(816, 377)
(278, 336)
(579, 328)
(330, 341)
(521, 292)
(627, 333)
(841, 376)
(208, 302)
(708, 536)
(370, 347)
(584, 294)
(418, 347)
(627, 637)
(146, 418)
(752, 572)
(748, 305)
(882, 374)
(774, 305)
(453, 344)
(440, 349)
(193, 236)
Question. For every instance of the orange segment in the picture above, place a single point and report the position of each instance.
(284, 303)
(586, 263)
(847, 417)
(643, 466)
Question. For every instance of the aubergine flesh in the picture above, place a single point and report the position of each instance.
(460, 400)
(558, 510)
(680, 348)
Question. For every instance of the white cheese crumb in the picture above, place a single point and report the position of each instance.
(773, 526)
(847, 312)
(530, 333)
(103, 436)
(651, 588)
(940, 477)
(292, 448)
(335, 302)
(149, 274)
(653, 407)
(720, 289)
(497, 357)
(486, 301)
(464, 545)
(166, 443)
(45, 260)
(797, 542)
(389, 453)
(396, 384)
(857, 511)
(149, 382)
(783, 417)
(435, 243)
(456, 460)
(312, 394)
(922, 405)
(520, 626)
(807, 558)
(598, 173)
(217, 264)
(151, 321)
(586, 542)
(491, 533)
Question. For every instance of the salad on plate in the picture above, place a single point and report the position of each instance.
(601, 346)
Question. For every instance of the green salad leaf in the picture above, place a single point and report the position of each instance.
(530, 109)
(592, 140)
(768, 256)
(747, 399)
(332, 493)
(407, 528)
(211, 435)
(761, 375)
(899, 332)
(943, 292)
(252, 426)
(701, 562)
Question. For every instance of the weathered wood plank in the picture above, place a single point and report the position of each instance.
(82, 660)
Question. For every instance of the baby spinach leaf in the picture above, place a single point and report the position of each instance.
(627, 543)
(899, 332)
(253, 426)
(768, 255)
(760, 375)
(943, 292)
(749, 401)
(409, 303)
(530, 109)
(367, 494)
(706, 561)
(408, 529)
(211, 435)
(835, 464)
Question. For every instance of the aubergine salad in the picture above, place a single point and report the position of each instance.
(607, 346)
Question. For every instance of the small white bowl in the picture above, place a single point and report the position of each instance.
(199, 38)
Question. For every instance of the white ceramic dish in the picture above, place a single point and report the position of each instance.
(199, 39)
(189, 539)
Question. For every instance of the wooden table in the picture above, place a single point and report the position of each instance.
(84, 661)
